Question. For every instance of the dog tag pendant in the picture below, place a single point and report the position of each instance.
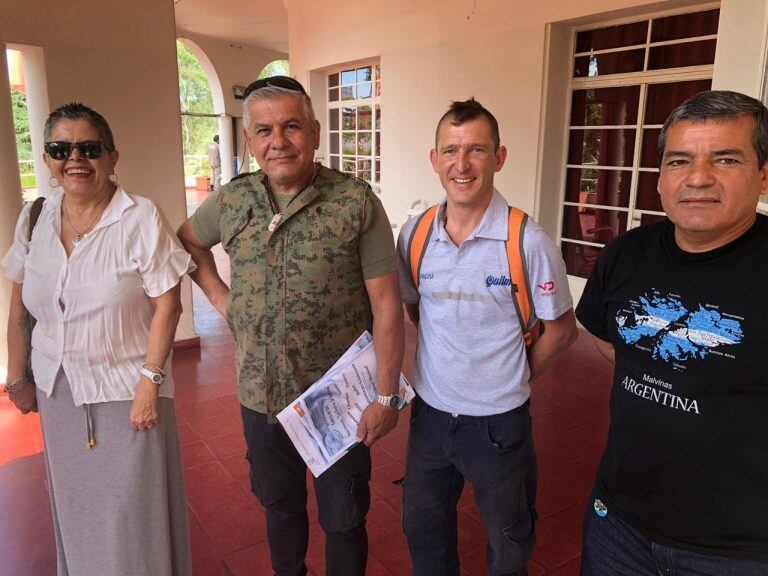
(275, 221)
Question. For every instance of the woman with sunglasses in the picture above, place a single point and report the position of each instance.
(101, 274)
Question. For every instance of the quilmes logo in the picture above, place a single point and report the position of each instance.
(497, 281)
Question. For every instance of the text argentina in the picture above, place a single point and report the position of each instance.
(660, 396)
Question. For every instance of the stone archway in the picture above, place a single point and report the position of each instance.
(217, 94)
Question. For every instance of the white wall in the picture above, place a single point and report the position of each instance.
(741, 45)
(119, 58)
(435, 52)
(510, 54)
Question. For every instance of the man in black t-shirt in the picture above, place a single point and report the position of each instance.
(680, 307)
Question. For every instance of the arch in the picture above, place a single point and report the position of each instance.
(278, 67)
(217, 94)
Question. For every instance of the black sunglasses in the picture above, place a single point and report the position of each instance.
(278, 81)
(61, 150)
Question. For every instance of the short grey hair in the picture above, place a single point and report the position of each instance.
(273, 93)
(78, 111)
(722, 105)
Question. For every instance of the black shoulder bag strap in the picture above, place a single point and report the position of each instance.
(34, 214)
(27, 320)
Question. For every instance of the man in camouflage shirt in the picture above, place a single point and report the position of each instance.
(313, 266)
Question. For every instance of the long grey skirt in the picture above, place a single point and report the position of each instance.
(119, 508)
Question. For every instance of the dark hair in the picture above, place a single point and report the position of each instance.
(465, 111)
(77, 111)
(216, 138)
(722, 105)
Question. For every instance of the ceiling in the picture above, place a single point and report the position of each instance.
(261, 23)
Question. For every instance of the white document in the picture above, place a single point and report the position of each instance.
(322, 422)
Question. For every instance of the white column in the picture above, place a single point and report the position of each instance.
(37, 105)
(10, 199)
(225, 148)
(243, 154)
(740, 57)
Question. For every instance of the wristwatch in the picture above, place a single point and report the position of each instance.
(156, 377)
(391, 401)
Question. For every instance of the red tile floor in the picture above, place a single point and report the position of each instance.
(569, 406)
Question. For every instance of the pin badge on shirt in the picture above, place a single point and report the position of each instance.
(600, 508)
(274, 222)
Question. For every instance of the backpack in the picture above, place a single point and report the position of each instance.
(521, 288)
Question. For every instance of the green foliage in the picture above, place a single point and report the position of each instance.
(194, 92)
(23, 138)
(275, 68)
(195, 97)
(21, 124)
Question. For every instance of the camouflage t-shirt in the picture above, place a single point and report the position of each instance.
(298, 297)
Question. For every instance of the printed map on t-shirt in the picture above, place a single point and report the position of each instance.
(661, 324)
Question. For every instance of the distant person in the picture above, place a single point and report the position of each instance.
(101, 275)
(214, 160)
(679, 308)
(470, 418)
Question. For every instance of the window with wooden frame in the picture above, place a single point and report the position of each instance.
(354, 121)
(626, 79)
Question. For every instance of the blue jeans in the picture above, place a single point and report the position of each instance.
(494, 453)
(612, 547)
(279, 481)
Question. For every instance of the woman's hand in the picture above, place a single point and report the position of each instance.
(144, 414)
(24, 398)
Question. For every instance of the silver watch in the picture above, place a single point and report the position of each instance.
(390, 401)
(156, 377)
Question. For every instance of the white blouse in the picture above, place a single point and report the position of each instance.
(93, 309)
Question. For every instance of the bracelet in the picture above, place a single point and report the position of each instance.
(16, 384)
(155, 367)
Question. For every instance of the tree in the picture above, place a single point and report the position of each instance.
(195, 97)
(21, 124)
(274, 68)
(194, 92)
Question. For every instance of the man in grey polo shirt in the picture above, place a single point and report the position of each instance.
(472, 370)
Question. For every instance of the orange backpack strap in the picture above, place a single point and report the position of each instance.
(518, 273)
(417, 244)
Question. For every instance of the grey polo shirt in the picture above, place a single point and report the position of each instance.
(471, 356)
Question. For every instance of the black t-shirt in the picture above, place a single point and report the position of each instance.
(687, 456)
